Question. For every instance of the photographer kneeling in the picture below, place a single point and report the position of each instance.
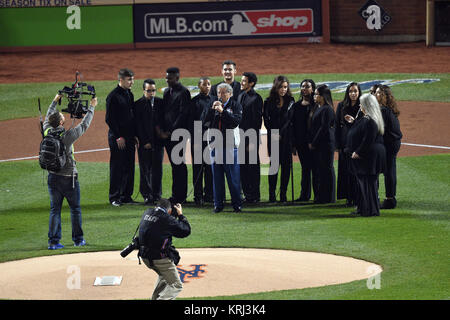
(156, 229)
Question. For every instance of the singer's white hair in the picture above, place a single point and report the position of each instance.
(225, 85)
(372, 109)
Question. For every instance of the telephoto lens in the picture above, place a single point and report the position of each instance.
(127, 250)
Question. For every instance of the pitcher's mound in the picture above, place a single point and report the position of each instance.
(205, 272)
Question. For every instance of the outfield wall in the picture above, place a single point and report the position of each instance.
(400, 21)
(79, 24)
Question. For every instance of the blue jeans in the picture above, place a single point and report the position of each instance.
(60, 187)
(233, 175)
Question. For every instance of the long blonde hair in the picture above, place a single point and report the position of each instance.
(372, 109)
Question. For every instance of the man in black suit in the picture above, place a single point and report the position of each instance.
(176, 101)
(121, 139)
(150, 150)
(228, 72)
(252, 109)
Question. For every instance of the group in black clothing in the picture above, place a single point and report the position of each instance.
(364, 130)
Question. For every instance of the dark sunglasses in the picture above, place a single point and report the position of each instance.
(150, 90)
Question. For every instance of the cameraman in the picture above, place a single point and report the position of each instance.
(64, 183)
(156, 229)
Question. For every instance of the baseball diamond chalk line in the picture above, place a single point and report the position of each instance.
(262, 133)
(207, 272)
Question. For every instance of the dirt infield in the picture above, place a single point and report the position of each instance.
(205, 272)
(195, 62)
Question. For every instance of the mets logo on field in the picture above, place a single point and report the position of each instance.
(228, 23)
(194, 273)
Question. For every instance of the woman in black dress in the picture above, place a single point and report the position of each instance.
(301, 123)
(346, 181)
(321, 140)
(365, 143)
(278, 115)
(392, 142)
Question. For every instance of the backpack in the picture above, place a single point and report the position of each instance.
(52, 151)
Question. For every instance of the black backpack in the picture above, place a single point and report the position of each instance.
(52, 152)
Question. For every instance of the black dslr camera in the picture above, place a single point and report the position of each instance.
(133, 245)
(77, 106)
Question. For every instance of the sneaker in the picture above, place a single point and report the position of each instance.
(80, 243)
(149, 201)
(55, 246)
(116, 203)
(218, 209)
(237, 209)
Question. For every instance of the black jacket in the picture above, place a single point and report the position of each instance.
(156, 230)
(279, 118)
(392, 133)
(176, 108)
(364, 139)
(146, 119)
(252, 109)
(119, 113)
(236, 89)
(300, 122)
(342, 126)
(321, 134)
(200, 106)
(230, 118)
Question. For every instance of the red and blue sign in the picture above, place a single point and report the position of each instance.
(230, 20)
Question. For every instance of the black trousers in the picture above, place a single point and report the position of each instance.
(201, 172)
(179, 171)
(121, 170)
(323, 168)
(368, 203)
(347, 187)
(390, 174)
(151, 170)
(251, 174)
(285, 161)
(309, 178)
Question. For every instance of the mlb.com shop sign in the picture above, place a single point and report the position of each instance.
(228, 23)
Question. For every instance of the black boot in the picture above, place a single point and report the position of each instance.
(389, 203)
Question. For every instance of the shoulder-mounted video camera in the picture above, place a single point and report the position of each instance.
(76, 94)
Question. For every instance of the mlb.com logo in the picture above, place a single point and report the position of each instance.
(281, 21)
(228, 23)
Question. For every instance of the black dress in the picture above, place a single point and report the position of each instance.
(322, 138)
(364, 139)
(346, 181)
(279, 118)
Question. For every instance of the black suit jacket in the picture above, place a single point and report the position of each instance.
(252, 110)
(146, 119)
(176, 107)
(119, 113)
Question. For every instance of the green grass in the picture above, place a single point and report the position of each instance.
(19, 100)
(409, 242)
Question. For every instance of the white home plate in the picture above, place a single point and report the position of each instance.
(108, 281)
(205, 272)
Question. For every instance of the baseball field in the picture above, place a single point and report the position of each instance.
(410, 242)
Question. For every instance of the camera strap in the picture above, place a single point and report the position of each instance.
(138, 256)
